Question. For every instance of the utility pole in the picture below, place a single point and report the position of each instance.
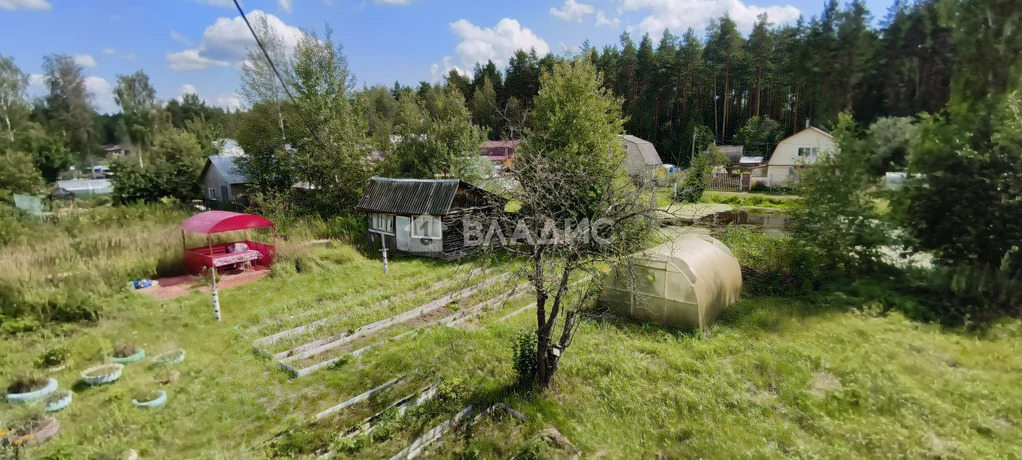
(693, 147)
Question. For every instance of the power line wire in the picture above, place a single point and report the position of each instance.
(282, 82)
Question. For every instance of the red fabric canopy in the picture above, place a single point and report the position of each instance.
(223, 221)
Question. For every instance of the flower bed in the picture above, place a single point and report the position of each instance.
(102, 374)
(30, 389)
(127, 354)
(170, 357)
(58, 401)
(151, 399)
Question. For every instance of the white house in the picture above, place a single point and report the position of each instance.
(795, 151)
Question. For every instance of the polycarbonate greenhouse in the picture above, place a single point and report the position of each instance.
(683, 283)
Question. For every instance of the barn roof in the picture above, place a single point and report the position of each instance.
(646, 148)
(409, 196)
(225, 164)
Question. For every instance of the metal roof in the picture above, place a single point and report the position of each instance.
(646, 149)
(751, 160)
(409, 196)
(225, 164)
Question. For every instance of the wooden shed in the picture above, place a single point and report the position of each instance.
(424, 216)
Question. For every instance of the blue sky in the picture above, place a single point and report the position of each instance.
(196, 45)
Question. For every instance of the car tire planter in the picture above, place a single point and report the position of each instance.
(90, 376)
(128, 359)
(60, 403)
(44, 431)
(159, 401)
(21, 398)
(170, 357)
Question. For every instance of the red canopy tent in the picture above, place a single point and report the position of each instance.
(236, 253)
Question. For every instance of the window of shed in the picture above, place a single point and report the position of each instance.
(383, 223)
(426, 227)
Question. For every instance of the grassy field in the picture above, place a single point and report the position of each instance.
(821, 377)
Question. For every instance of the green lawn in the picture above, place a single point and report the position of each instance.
(775, 377)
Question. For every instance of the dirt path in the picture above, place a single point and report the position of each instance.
(178, 286)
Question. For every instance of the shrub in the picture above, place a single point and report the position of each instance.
(966, 295)
(770, 266)
(523, 356)
(54, 357)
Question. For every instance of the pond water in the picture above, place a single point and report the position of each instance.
(769, 223)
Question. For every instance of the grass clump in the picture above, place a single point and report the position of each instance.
(27, 384)
(124, 351)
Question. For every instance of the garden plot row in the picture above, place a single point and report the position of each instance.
(296, 312)
(437, 312)
(341, 321)
(322, 343)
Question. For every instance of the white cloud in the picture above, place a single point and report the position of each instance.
(102, 94)
(286, 5)
(497, 44)
(439, 71)
(601, 20)
(180, 38)
(228, 40)
(188, 89)
(25, 5)
(114, 53)
(85, 60)
(191, 60)
(679, 15)
(572, 11)
(232, 102)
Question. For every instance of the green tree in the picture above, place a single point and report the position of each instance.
(484, 108)
(18, 174)
(50, 152)
(12, 93)
(68, 105)
(333, 158)
(759, 135)
(437, 138)
(172, 169)
(837, 215)
(137, 99)
(569, 168)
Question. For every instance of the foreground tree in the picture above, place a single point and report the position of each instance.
(571, 176)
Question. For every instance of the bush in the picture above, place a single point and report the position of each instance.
(966, 295)
(523, 355)
(770, 266)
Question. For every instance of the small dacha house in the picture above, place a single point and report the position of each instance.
(802, 148)
(223, 183)
(424, 217)
(640, 155)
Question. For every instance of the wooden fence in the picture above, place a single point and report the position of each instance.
(726, 183)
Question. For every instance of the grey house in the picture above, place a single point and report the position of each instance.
(223, 183)
(424, 217)
(641, 156)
